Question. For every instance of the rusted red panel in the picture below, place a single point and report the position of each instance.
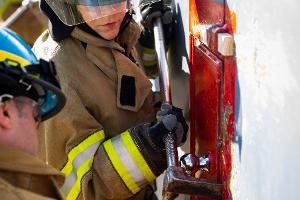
(227, 127)
(212, 89)
(228, 108)
(212, 110)
(206, 77)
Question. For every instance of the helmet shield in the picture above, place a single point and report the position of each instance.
(73, 12)
(51, 99)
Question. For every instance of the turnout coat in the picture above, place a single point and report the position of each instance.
(108, 93)
(24, 177)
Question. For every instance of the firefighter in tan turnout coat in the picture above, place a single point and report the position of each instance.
(28, 94)
(106, 141)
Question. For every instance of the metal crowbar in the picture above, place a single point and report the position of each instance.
(176, 180)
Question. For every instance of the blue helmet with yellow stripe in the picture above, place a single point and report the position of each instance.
(22, 74)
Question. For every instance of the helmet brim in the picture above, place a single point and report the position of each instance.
(60, 97)
(76, 12)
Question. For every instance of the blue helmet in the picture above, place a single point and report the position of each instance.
(22, 74)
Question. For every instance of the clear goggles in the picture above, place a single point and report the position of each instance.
(25, 100)
(73, 12)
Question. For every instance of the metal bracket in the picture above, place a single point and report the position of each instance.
(176, 181)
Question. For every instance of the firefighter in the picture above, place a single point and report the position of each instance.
(92, 140)
(29, 93)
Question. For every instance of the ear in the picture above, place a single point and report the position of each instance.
(6, 115)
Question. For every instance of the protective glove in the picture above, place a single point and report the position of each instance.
(151, 9)
(169, 119)
(149, 138)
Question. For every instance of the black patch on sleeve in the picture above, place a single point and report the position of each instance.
(127, 93)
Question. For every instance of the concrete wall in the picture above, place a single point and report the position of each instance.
(266, 159)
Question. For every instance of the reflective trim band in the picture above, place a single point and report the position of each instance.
(120, 168)
(128, 162)
(80, 161)
(137, 156)
(76, 189)
(148, 50)
(149, 63)
(81, 165)
(149, 57)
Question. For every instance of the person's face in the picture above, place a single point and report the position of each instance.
(21, 129)
(105, 20)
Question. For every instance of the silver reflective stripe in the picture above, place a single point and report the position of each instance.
(128, 162)
(149, 57)
(78, 161)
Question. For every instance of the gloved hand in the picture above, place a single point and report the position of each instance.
(155, 8)
(169, 119)
(150, 9)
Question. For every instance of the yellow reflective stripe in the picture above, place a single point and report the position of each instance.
(80, 161)
(4, 55)
(85, 167)
(137, 156)
(119, 167)
(92, 139)
(128, 162)
(149, 57)
(71, 179)
(148, 50)
(147, 63)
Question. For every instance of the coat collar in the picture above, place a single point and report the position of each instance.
(133, 86)
(123, 43)
(14, 160)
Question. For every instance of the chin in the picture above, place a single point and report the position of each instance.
(110, 36)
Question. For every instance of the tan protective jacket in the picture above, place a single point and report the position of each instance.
(23, 177)
(107, 93)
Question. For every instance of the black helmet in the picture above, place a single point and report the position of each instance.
(22, 74)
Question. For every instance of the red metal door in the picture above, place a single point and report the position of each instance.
(212, 87)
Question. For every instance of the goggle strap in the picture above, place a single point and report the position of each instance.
(44, 67)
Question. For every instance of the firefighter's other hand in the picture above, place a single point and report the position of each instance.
(169, 119)
(150, 9)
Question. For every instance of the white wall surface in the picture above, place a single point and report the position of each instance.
(266, 151)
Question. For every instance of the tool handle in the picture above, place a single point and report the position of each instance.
(18, 13)
(162, 60)
(171, 148)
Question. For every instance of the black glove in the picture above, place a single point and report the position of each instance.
(149, 139)
(169, 119)
(151, 9)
